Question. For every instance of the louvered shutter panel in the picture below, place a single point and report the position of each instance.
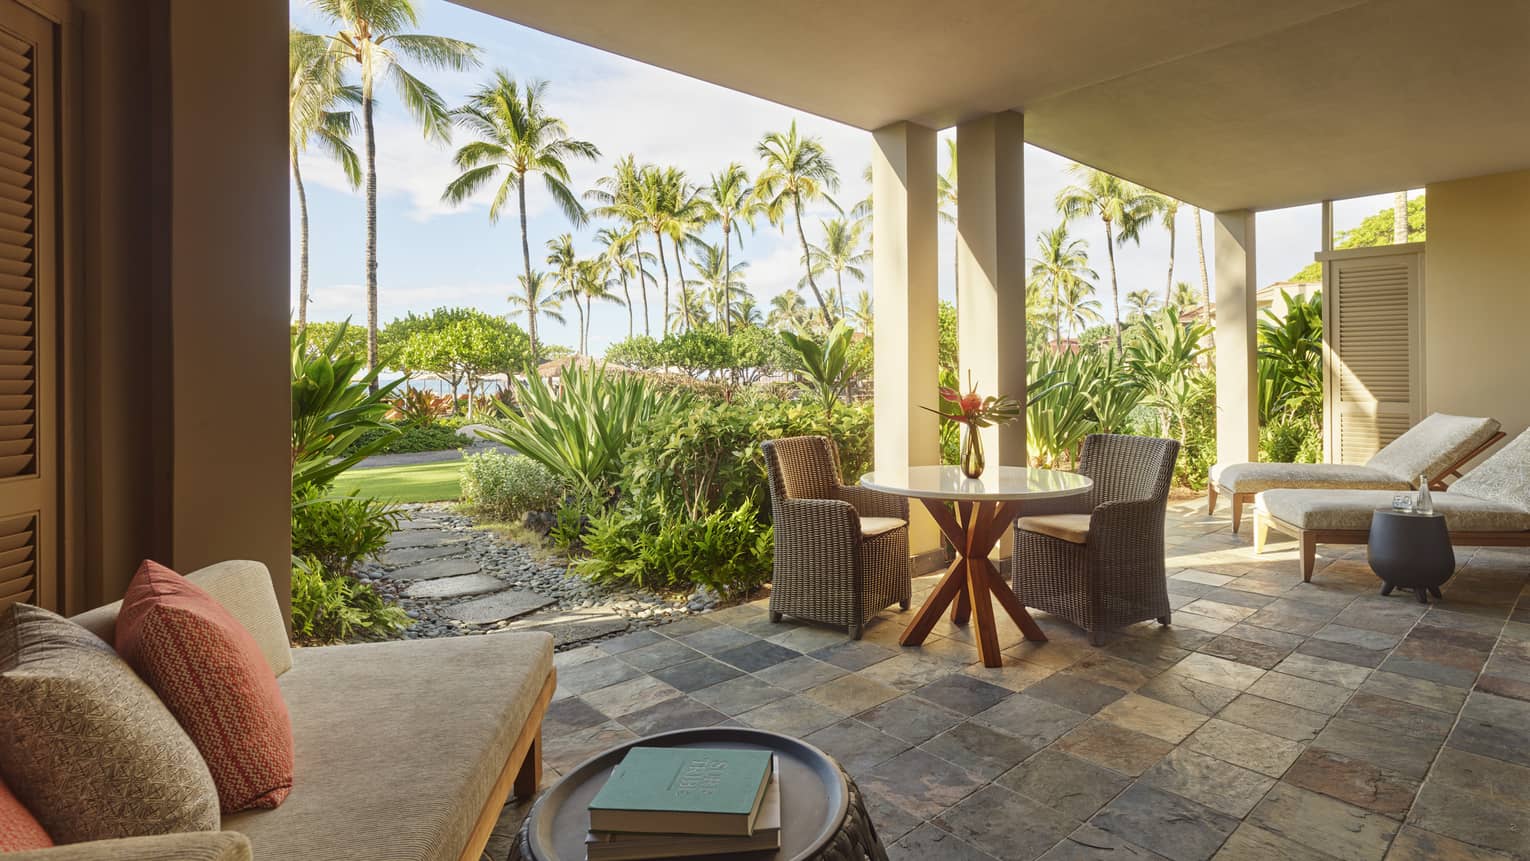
(29, 504)
(1373, 335)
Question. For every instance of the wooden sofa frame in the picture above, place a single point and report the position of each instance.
(1436, 482)
(522, 773)
(1309, 539)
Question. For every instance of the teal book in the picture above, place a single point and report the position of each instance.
(683, 790)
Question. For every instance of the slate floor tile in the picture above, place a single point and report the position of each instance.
(1421, 668)
(907, 671)
(1088, 843)
(1075, 692)
(593, 675)
(857, 746)
(910, 718)
(1165, 823)
(1324, 824)
(799, 674)
(1112, 671)
(1286, 721)
(1354, 781)
(628, 642)
(630, 696)
(667, 715)
(1303, 693)
(1244, 651)
(718, 638)
(980, 749)
(1036, 721)
(573, 713)
(850, 694)
(793, 715)
(1343, 653)
(928, 842)
(1420, 692)
(1217, 671)
(1250, 748)
(853, 655)
(1416, 844)
(1252, 843)
(753, 657)
(1390, 751)
(1322, 670)
(1187, 693)
(1391, 715)
(1494, 726)
(1024, 829)
(1104, 743)
(695, 675)
(1075, 787)
(1014, 674)
(891, 821)
(1477, 800)
(963, 693)
(665, 653)
(921, 783)
(1151, 717)
(738, 695)
(1217, 784)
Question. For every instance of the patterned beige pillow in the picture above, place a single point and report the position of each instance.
(85, 744)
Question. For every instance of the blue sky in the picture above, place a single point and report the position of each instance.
(431, 254)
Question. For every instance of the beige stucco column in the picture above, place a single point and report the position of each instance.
(1237, 325)
(904, 275)
(990, 249)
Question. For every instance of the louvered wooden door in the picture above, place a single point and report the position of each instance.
(1372, 332)
(29, 395)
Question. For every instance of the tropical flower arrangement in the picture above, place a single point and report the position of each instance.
(974, 411)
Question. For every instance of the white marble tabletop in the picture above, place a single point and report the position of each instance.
(997, 483)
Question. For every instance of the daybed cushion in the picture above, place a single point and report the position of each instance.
(1352, 509)
(871, 527)
(191, 846)
(1255, 477)
(1502, 478)
(398, 745)
(1073, 528)
(1430, 446)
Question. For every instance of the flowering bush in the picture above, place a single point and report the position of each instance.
(506, 487)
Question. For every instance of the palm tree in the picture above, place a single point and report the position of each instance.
(945, 208)
(516, 137)
(797, 169)
(1124, 207)
(788, 311)
(620, 196)
(1061, 265)
(368, 34)
(724, 283)
(1139, 303)
(647, 197)
(682, 217)
(747, 311)
(725, 200)
(1077, 307)
(314, 87)
(689, 311)
(862, 314)
(1168, 208)
(564, 269)
(1200, 254)
(841, 254)
(626, 261)
(538, 298)
(593, 283)
(1183, 296)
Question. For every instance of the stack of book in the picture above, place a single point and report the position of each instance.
(683, 802)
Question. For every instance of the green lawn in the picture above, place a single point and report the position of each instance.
(424, 482)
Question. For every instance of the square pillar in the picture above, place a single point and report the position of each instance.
(904, 281)
(991, 270)
(1236, 328)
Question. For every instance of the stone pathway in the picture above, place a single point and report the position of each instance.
(455, 580)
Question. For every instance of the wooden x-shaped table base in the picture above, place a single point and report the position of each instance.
(972, 578)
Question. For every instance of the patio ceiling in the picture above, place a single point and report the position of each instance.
(1224, 103)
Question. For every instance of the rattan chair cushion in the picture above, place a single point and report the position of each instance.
(1073, 528)
(871, 527)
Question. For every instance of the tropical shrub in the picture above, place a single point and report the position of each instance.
(332, 407)
(340, 531)
(582, 430)
(827, 369)
(729, 552)
(1291, 440)
(1198, 448)
(408, 439)
(328, 608)
(419, 408)
(1078, 393)
(507, 487)
(1162, 360)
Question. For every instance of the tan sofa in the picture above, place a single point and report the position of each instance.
(405, 750)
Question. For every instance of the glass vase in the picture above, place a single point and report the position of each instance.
(972, 452)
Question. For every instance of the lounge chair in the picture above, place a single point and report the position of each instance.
(1489, 506)
(1439, 446)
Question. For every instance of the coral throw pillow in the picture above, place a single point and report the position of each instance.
(211, 674)
(19, 829)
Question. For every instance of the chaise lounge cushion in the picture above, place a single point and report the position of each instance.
(1256, 477)
(398, 745)
(1352, 510)
(1432, 445)
(1503, 478)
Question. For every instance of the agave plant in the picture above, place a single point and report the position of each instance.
(332, 407)
(582, 429)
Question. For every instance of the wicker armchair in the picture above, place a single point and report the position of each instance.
(841, 551)
(1097, 559)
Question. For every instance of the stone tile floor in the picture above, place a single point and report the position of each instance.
(1273, 720)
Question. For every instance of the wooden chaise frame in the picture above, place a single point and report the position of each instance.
(522, 773)
(1436, 482)
(1309, 539)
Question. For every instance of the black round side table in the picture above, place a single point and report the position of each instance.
(822, 815)
(1409, 550)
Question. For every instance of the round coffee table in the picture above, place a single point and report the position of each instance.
(1408, 550)
(822, 816)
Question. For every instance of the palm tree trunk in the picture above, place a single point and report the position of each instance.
(1200, 253)
(578, 306)
(685, 297)
(531, 306)
(839, 287)
(1115, 291)
(637, 252)
(727, 315)
(1400, 218)
(1168, 290)
(658, 239)
(807, 261)
(302, 196)
(371, 253)
(627, 293)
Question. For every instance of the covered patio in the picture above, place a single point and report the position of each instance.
(1275, 719)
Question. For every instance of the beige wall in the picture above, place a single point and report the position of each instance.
(181, 349)
(1477, 298)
